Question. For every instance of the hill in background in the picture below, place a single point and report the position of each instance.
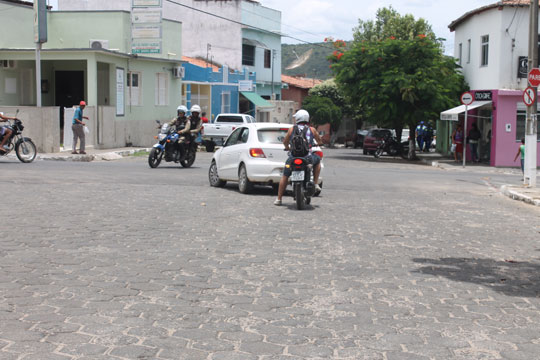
(309, 60)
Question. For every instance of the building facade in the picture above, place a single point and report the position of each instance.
(125, 93)
(491, 45)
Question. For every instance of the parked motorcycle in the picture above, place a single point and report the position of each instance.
(24, 147)
(392, 147)
(168, 149)
(302, 181)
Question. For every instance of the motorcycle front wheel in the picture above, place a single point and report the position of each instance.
(154, 158)
(190, 159)
(378, 152)
(299, 196)
(25, 150)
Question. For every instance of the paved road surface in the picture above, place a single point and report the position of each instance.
(114, 260)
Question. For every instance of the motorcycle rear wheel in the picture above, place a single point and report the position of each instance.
(299, 196)
(25, 150)
(154, 158)
(189, 160)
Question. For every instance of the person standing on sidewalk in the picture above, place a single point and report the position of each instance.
(474, 138)
(78, 128)
(457, 140)
(521, 151)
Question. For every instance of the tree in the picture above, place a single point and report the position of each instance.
(400, 82)
(390, 24)
(322, 110)
(396, 76)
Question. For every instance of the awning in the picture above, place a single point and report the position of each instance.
(255, 43)
(453, 114)
(256, 99)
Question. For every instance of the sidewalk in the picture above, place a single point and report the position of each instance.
(91, 154)
(515, 192)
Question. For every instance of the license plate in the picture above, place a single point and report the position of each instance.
(297, 176)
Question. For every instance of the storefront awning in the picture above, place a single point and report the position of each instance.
(256, 99)
(453, 114)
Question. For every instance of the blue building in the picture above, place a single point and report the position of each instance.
(217, 90)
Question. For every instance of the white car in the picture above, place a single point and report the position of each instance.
(252, 154)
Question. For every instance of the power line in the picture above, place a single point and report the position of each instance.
(246, 25)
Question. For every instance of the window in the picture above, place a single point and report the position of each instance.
(248, 55)
(162, 89)
(272, 136)
(460, 53)
(226, 102)
(244, 137)
(469, 51)
(520, 124)
(267, 59)
(230, 119)
(485, 50)
(233, 138)
(134, 88)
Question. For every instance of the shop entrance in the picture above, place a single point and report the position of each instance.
(69, 91)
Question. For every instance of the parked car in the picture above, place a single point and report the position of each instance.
(252, 154)
(216, 132)
(374, 138)
(405, 133)
(359, 138)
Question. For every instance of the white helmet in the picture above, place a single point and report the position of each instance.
(301, 116)
(195, 108)
(181, 108)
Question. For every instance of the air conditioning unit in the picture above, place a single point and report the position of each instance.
(99, 44)
(8, 64)
(179, 71)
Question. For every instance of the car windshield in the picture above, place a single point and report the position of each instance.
(380, 133)
(272, 136)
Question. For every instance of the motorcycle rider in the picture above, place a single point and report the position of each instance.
(182, 125)
(196, 123)
(301, 118)
(5, 132)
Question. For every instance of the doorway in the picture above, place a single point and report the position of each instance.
(69, 91)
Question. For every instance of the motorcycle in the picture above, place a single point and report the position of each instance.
(388, 144)
(302, 181)
(24, 147)
(167, 148)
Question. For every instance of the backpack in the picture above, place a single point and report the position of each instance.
(299, 142)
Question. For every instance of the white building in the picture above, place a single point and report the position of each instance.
(491, 44)
(236, 33)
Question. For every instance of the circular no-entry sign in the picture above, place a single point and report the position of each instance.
(467, 98)
(529, 96)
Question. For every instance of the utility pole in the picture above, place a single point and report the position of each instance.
(273, 58)
(530, 124)
(208, 48)
(40, 37)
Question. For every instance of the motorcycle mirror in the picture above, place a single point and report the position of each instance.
(16, 112)
(158, 121)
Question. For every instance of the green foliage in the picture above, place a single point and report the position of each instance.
(399, 82)
(322, 110)
(390, 24)
(328, 89)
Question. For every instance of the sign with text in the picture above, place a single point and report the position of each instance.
(146, 3)
(145, 16)
(245, 85)
(146, 32)
(534, 77)
(482, 96)
(149, 47)
(119, 92)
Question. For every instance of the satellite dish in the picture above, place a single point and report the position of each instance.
(300, 60)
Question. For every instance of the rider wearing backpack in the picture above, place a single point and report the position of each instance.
(300, 140)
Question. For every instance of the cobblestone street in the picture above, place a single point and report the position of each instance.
(114, 260)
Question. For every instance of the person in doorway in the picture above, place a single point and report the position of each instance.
(473, 138)
(5, 132)
(77, 125)
(457, 140)
(521, 150)
(420, 134)
(301, 118)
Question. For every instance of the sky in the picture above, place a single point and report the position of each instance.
(313, 20)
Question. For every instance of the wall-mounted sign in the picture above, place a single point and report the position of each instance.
(40, 21)
(523, 65)
(146, 3)
(245, 85)
(146, 32)
(119, 92)
(145, 16)
(482, 96)
(146, 47)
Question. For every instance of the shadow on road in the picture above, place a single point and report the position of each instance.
(513, 278)
(371, 158)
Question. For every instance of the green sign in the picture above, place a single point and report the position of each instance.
(146, 48)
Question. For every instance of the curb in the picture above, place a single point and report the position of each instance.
(107, 156)
(515, 195)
